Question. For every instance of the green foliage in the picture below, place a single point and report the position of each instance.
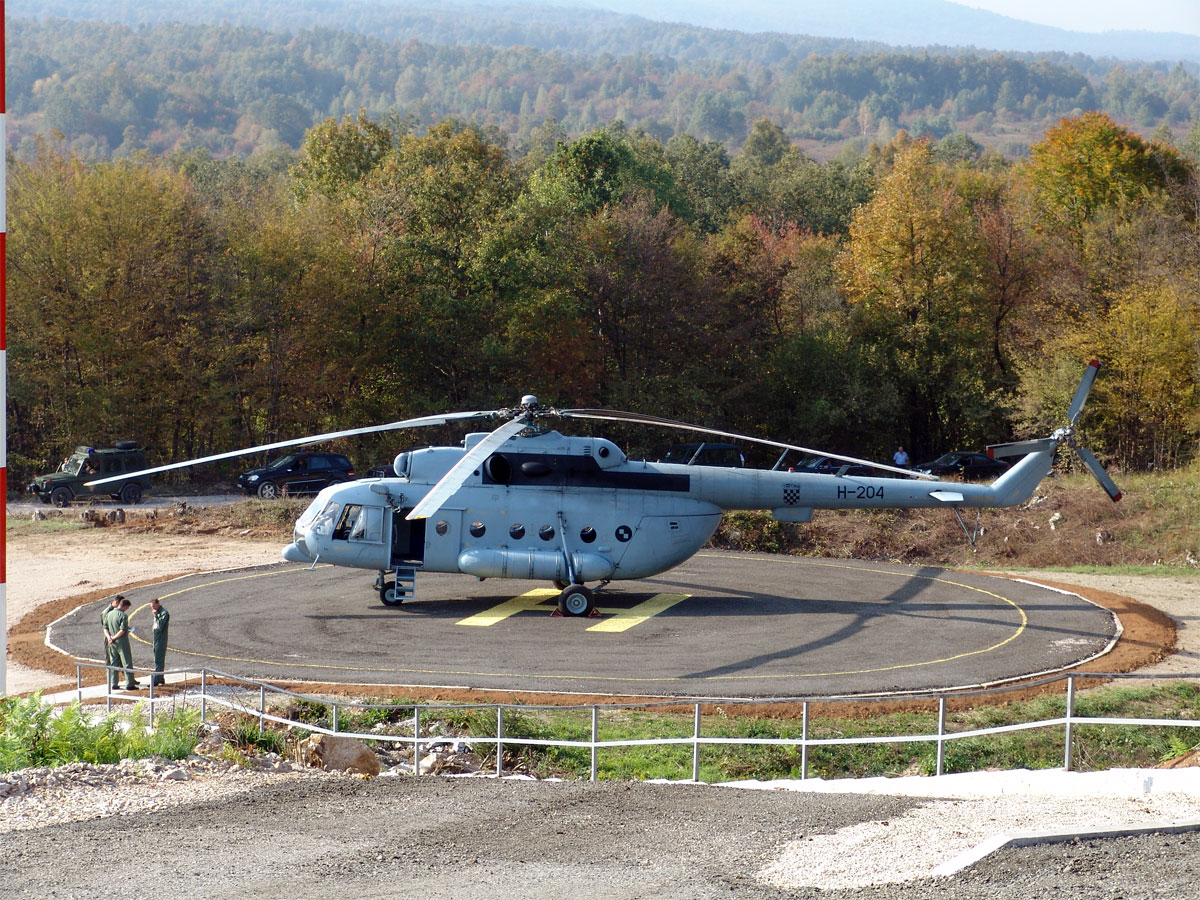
(906, 295)
(246, 735)
(1095, 747)
(32, 735)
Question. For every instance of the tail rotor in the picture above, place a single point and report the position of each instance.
(1066, 435)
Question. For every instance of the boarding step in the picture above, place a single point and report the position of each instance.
(406, 583)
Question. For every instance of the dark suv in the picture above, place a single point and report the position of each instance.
(296, 473)
(89, 463)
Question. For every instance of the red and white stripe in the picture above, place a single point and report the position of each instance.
(3, 370)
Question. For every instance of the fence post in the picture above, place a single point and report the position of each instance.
(79, 682)
(1067, 728)
(203, 695)
(335, 718)
(499, 741)
(804, 741)
(696, 745)
(416, 740)
(152, 703)
(941, 739)
(262, 708)
(595, 737)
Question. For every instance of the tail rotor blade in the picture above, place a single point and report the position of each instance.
(1081, 392)
(1097, 470)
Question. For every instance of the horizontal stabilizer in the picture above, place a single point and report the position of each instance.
(947, 496)
(1020, 448)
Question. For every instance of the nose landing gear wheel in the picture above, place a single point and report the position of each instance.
(576, 600)
(388, 595)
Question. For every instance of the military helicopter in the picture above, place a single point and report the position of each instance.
(525, 501)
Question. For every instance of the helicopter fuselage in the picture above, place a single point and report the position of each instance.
(575, 509)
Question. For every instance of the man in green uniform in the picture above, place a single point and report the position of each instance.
(118, 627)
(110, 654)
(162, 619)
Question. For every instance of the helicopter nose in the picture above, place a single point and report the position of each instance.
(297, 552)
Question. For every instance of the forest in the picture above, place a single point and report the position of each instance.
(931, 293)
(112, 89)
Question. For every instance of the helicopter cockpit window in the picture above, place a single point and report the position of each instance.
(323, 523)
(360, 523)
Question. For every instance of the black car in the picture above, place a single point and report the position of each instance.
(296, 473)
(968, 465)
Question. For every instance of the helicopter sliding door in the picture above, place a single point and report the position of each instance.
(408, 539)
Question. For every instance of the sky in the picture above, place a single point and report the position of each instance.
(1101, 15)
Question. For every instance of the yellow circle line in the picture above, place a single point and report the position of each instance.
(1024, 621)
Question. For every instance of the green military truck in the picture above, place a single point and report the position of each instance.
(89, 463)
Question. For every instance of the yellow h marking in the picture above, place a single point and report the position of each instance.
(619, 619)
(529, 600)
(624, 619)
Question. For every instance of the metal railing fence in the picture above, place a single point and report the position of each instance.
(250, 697)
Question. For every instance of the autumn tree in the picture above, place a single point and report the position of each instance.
(1088, 163)
(109, 300)
(912, 271)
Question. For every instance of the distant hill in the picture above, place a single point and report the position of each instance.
(912, 23)
(564, 24)
(240, 87)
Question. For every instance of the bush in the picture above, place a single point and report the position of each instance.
(31, 735)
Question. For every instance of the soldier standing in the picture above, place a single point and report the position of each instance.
(110, 654)
(162, 619)
(118, 627)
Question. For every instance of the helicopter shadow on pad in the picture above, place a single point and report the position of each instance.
(895, 602)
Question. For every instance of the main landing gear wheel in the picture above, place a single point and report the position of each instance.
(576, 600)
(388, 595)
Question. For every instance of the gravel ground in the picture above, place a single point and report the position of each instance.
(134, 831)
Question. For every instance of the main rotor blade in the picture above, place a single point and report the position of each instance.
(453, 480)
(1081, 392)
(613, 415)
(1097, 470)
(422, 422)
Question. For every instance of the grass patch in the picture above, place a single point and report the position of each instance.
(31, 735)
(1094, 746)
(52, 524)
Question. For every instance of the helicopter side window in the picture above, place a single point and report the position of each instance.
(360, 523)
